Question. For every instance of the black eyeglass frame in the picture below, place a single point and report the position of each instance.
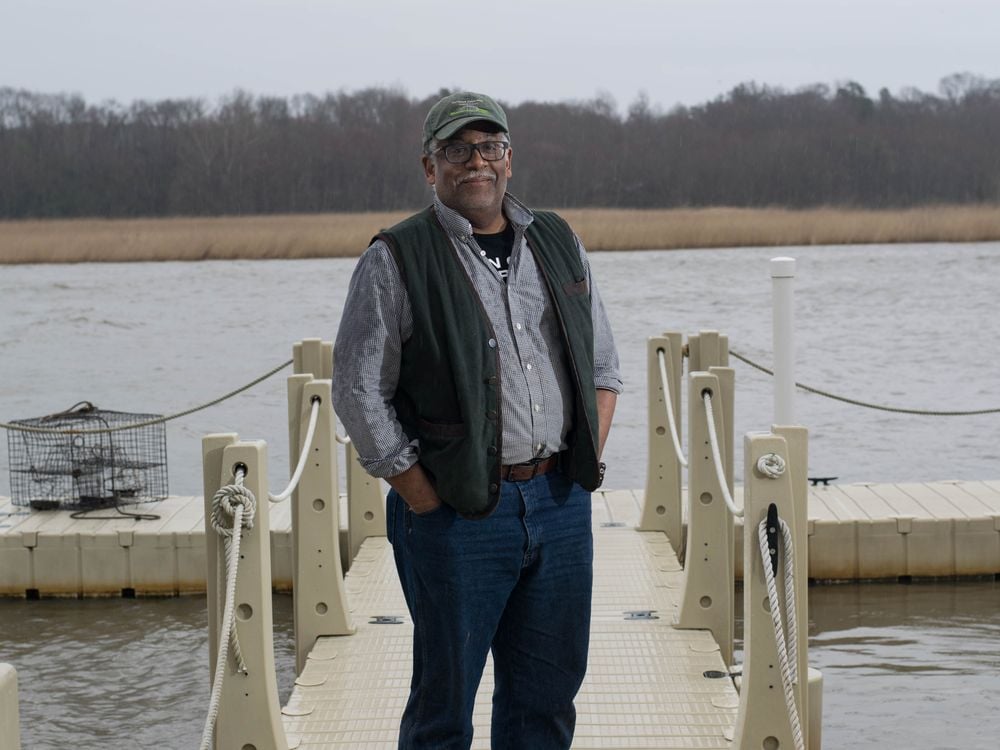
(504, 147)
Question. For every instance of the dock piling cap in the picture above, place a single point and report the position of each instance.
(782, 268)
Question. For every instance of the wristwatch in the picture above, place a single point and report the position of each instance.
(601, 468)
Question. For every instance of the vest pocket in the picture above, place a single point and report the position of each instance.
(574, 288)
(441, 429)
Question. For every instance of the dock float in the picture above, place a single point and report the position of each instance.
(856, 532)
(648, 684)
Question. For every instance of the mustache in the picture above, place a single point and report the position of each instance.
(478, 176)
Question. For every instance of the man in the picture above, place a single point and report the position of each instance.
(476, 373)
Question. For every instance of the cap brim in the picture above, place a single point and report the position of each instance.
(453, 127)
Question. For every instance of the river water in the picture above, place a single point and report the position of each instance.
(909, 326)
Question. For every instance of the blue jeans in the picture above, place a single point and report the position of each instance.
(517, 583)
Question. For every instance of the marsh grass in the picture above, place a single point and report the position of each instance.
(746, 227)
(345, 235)
(217, 238)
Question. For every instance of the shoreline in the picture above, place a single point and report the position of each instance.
(340, 235)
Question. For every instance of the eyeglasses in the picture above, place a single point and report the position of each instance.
(459, 153)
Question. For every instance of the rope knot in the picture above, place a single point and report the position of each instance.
(771, 465)
(224, 505)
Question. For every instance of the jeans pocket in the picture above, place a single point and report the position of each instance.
(434, 523)
(430, 513)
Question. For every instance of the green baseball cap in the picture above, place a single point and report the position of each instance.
(455, 111)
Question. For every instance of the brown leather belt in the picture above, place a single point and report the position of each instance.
(529, 470)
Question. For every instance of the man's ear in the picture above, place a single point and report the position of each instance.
(428, 163)
(510, 153)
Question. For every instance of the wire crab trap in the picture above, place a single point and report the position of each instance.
(87, 458)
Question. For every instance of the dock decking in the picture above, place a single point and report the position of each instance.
(856, 531)
(645, 687)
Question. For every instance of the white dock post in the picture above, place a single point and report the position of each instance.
(319, 596)
(707, 349)
(708, 599)
(10, 728)
(313, 357)
(763, 719)
(249, 711)
(661, 508)
(783, 336)
(365, 500)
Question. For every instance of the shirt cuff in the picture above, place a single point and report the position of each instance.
(383, 468)
(609, 383)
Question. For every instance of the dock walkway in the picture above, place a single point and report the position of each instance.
(646, 686)
(856, 532)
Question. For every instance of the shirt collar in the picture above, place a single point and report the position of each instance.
(455, 224)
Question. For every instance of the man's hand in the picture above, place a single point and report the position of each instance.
(606, 401)
(416, 489)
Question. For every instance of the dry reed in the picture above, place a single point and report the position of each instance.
(345, 235)
(610, 229)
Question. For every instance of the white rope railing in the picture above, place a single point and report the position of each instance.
(306, 447)
(661, 356)
(720, 473)
(236, 501)
(787, 648)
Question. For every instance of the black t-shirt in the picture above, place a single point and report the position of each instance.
(496, 249)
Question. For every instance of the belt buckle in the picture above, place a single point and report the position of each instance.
(536, 464)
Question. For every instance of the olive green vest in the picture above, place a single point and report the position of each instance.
(448, 395)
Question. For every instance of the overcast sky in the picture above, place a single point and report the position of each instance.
(675, 51)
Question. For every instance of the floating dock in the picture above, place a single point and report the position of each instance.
(856, 532)
(647, 685)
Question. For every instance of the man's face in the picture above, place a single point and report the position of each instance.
(474, 189)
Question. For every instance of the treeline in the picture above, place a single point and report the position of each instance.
(358, 151)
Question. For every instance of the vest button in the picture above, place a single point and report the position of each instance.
(494, 488)
(491, 414)
(493, 343)
(492, 450)
(492, 380)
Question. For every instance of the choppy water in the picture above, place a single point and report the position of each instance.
(908, 667)
(913, 326)
(912, 667)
